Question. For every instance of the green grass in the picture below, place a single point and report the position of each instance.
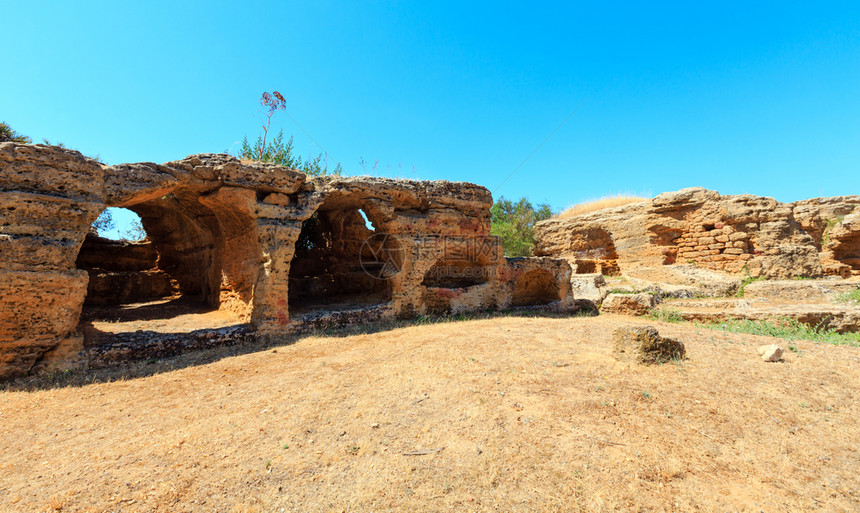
(665, 314)
(621, 291)
(849, 297)
(786, 328)
(632, 291)
(829, 224)
(746, 281)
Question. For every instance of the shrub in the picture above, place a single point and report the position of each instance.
(279, 152)
(7, 134)
(514, 224)
(746, 281)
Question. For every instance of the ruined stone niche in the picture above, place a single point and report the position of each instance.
(592, 250)
(464, 269)
(338, 263)
(535, 287)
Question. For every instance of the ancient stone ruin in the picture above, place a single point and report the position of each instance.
(743, 235)
(235, 250)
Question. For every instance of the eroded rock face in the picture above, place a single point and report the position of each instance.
(733, 234)
(49, 197)
(272, 248)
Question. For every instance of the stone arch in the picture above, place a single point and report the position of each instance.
(535, 287)
(465, 266)
(464, 262)
(201, 255)
(343, 259)
(846, 251)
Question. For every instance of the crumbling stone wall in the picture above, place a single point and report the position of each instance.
(50, 197)
(835, 230)
(280, 251)
(735, 234)
(123, 272)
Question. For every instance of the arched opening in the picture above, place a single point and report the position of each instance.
(464, 263)
(846, 250)
(341, 261)
(455, 279)
(535, 287)
(122, 271)
(116, 223)
(194, 268)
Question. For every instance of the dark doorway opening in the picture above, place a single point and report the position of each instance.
(341, 261)
(194, 269)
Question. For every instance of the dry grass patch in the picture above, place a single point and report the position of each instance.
(599, 204)
(498, 414)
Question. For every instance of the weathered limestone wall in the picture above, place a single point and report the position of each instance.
(49, 197)
(834, 224)
(123, 272)
(277, 250)
(734, 234)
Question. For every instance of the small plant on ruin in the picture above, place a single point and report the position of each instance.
(278, 151)
(746, 281)
(7, 134)
(665, 314)
(621, 291)
(273, 102)
(829, 225)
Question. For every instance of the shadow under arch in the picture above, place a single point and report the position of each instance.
(343, 259)
(195, 270)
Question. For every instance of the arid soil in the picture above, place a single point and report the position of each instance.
(497, 414)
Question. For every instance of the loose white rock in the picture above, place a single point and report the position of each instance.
(770, 353)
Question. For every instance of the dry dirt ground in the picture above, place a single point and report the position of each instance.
(496, 414)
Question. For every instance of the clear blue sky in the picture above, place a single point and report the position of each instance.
(743, 97)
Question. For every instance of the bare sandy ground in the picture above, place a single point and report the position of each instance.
(500, 414)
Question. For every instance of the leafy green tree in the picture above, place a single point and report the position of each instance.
(9, 135)
(513, 223)
(277, 151)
